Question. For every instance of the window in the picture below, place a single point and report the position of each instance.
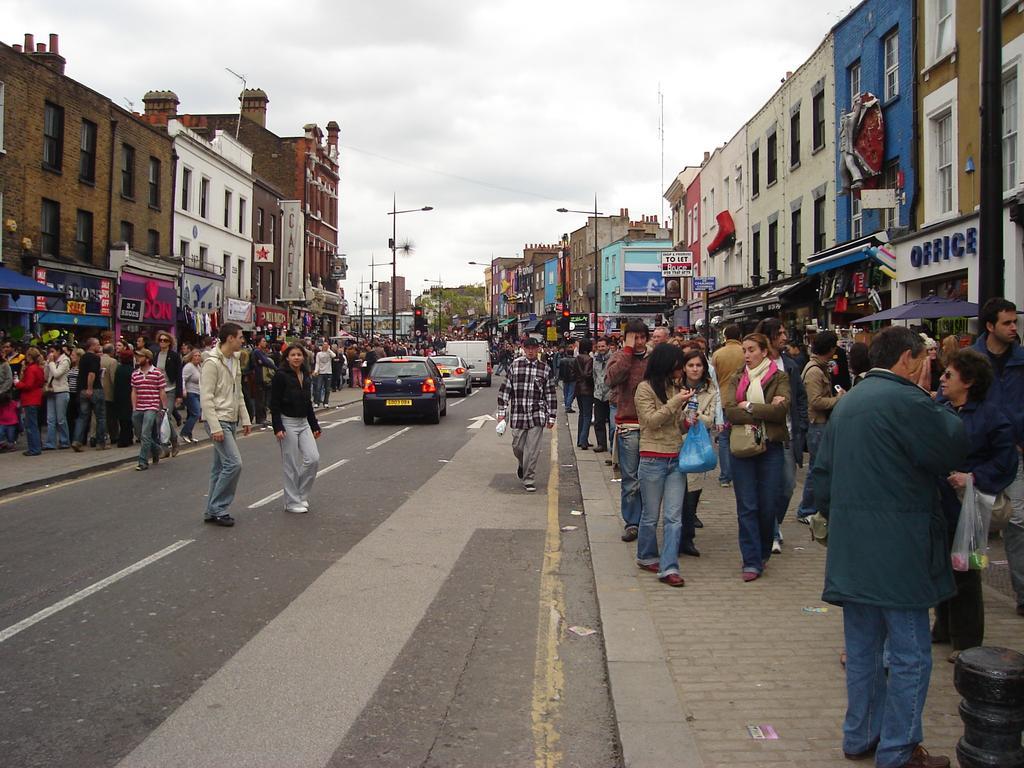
(755, 257)
(818, 121)
(238, 287)
(273, 226)
(83, 235)
(725, 194)
(127, 171)
(891, 46)
(755, 173)
(49, 228)
(854, 81)
(773, 158)
(1010, 129)
(819, 224)
(186, 188)
(152, 242)
(795, 257)
(184, 246)
(87, 152)
(942, 127)
(794, 139)
(856, 217)
(739, 187)
(53, 136)
(227, 208)
(127, 233)
(154, 182)
(1, 115)
(242, 202)
(204, 197)
(259, 226)
(943, 28)
(704, 204)
(890, 180)
(773, 251)
(204, 260)
(226, 268)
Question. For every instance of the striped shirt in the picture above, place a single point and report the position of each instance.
(148, 385)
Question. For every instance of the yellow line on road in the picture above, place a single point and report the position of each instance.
(548, 677)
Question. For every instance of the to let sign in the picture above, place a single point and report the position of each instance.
(677, 264)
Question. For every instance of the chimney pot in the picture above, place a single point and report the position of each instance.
(53, 43)
(40, 47)
(254, 105)
(17, 47)
(707, 156)
(30, 42)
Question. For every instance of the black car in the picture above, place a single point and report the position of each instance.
(404, 386)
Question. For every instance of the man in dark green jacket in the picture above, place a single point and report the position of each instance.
(876, 478)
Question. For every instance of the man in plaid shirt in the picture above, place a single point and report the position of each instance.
(527, 400)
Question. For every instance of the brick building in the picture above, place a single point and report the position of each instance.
(83, 183)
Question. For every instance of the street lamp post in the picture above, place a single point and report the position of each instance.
(373, 317)
(440, 300)
(393, 213)
(597, 263)
(490, 306)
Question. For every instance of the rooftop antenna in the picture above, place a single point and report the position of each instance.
(240, 102)
(661, 138)
(129, 102)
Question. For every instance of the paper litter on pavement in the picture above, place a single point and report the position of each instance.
(576, 512)
(762, 732)
(811, 609)
(582, 631)
(569, 527)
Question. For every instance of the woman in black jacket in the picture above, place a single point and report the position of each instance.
(296, 428)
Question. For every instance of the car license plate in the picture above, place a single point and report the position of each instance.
(397, 402)
(444, 370)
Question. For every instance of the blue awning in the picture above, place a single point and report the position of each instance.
(16, 283)
(65, 318)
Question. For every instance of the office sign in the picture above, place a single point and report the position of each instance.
(704, 283)
(677, 264)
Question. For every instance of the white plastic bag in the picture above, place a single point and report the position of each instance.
(970, 543)
(165, 429)
(500, 427)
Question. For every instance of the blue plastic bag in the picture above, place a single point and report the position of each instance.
(697, 454)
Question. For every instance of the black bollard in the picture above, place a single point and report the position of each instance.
(991, 681)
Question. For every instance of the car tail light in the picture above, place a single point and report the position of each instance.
(490, 368)
(459, 371)
(429, 386)
(369, 387)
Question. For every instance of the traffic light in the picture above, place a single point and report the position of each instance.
(547, 323)
(419, 321)
(563, 323)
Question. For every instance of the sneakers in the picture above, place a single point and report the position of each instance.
(672, 579)
(725, 483)
(803, 519)
(529, 487)
(77, 447)
(223, 520)
(141, 467)
(776, 547)
(630, 533)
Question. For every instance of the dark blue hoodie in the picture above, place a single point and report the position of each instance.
(1007, 391)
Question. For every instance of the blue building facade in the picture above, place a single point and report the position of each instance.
(631, 274)
(874, 52)
(551, 282)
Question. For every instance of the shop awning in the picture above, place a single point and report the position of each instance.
(726, 233)
(770, 298)
(65, 318)
(17, 284)
(869, 247)
(508, 322)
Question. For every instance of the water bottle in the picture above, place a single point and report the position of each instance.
(691, 410)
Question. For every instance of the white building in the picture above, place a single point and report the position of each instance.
(723, 187)
(213, 221)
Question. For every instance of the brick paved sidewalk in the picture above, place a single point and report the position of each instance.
(18, 472)
(748, 654)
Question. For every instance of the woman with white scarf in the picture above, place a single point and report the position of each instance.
(756, 403)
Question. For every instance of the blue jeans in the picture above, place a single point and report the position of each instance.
(887, 709)
(225, 472)
(145, 423)
(9, 433)
(86, 407)
(814, 435)
(724, 456)
(193, 408)
(586, 416)
(629, 464)
(30, 420)
(321, 388)
(57, 420)
(757, 482)
(568, 393)
(787, 487)
(662, 487)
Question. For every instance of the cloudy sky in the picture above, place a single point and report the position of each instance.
(494, 112)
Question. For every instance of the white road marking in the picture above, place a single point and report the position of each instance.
(479, 421)
(11, 631)
(279, 494)
(387, 439)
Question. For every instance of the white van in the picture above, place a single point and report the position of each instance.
(477, 354)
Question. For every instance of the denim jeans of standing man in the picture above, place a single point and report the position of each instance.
(57, 421)
(662, 490)
(814, 434)
(145, 425)
(880, 707)
(1013, 533)
(87, 406)
(584, 420)
(629, 467)
(225, 472)
(756, 482)
(601, 414)
(724, 457)
(568, 394)
(786, 488)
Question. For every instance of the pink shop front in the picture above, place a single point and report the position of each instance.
(145, 306)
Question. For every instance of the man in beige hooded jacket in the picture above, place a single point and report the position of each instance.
(224, 411)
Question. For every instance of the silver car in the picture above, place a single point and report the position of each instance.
(455, 372)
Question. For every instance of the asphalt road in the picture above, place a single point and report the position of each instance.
(417, 616)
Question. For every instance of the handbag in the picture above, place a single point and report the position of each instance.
(697, 454)
(747, 440)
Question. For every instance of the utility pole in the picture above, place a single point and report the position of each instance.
(990, 259)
